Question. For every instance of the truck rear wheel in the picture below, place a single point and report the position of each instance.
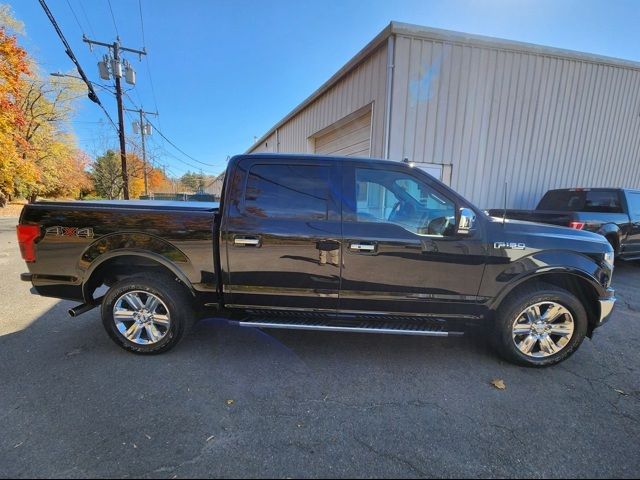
(147, 315)
(540, 325)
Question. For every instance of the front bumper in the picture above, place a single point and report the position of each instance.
(606, 306)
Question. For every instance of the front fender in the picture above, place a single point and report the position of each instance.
(500, 278)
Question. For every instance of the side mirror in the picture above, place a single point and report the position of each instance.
(467, 223)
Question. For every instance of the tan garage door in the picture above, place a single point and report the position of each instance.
(351, 139)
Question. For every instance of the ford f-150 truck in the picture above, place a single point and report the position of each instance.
(611, 212)
(322, 243)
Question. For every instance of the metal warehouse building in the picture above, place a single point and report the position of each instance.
(476, 112)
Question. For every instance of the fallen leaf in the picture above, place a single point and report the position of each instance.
(210, 438)
(135, 446)
(498, 383)
(148, 437)
(621, 392)
(230, 402)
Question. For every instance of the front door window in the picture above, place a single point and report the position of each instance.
(395, 197)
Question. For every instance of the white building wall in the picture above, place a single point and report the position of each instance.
(533, 119)
(364, 85)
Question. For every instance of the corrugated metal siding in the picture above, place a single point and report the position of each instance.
(364, 85)
(534, 120)
(353, 139)
(268, 146)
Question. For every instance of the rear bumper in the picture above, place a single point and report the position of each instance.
(50, 286)
(607, 303)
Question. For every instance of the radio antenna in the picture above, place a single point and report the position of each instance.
(504, 214)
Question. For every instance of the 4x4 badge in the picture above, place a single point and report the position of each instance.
(86, 232)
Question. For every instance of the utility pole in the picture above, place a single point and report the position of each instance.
(145, 129)
(116, 70)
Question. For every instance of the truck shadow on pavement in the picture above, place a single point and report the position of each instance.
(234, 401)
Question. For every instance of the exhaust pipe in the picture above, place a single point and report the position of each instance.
(84, 307)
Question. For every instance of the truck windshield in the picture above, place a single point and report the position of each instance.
(603, 201)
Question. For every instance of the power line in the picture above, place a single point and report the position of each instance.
(113, 17)
(178, 148)
(92, 94)
(163, 149)
(169, 141)
(86, 17)
(75, 16)
(144, 41)
(148, 62)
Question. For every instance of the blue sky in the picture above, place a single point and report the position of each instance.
(226, 71)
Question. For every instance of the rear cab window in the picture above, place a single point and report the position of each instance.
(597, 201)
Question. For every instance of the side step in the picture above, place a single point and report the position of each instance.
(431, 329)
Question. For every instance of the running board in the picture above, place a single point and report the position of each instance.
(369, 326)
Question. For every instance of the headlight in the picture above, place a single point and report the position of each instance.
(609, 259)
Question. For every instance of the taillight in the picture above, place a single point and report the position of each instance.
(27, 234)
(576, 225)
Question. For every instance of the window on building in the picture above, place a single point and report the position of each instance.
(288, 191)
(395, 197)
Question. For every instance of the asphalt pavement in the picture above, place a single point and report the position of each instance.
(239, 402)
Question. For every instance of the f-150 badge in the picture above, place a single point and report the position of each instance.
(510, 245)
(86, 232)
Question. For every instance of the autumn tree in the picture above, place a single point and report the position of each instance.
(40, 157)
(13, 69)
(106, 173)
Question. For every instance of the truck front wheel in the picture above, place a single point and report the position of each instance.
(540, 325)
(146, 314)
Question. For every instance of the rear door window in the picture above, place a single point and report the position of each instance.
(299, 192)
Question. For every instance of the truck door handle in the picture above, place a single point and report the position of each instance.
(363, 247)
(247, 241)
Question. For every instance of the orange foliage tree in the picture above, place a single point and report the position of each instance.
(13, 69)
(38, 155)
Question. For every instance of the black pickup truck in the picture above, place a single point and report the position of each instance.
(611, 212)
(322, 243)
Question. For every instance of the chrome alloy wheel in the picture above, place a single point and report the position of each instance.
(543, 329)
(141, 317)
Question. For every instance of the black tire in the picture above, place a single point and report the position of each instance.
(527, 296)
(174, 296)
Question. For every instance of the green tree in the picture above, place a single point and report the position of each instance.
(106, 173)
(192, 181)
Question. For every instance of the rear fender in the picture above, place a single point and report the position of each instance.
(137, 245)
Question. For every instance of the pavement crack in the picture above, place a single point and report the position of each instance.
(391, 456)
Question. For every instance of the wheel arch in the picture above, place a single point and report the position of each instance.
(580, 284)
(612, 233)
(115, 265)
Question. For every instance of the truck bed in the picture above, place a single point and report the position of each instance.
(133, 204)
